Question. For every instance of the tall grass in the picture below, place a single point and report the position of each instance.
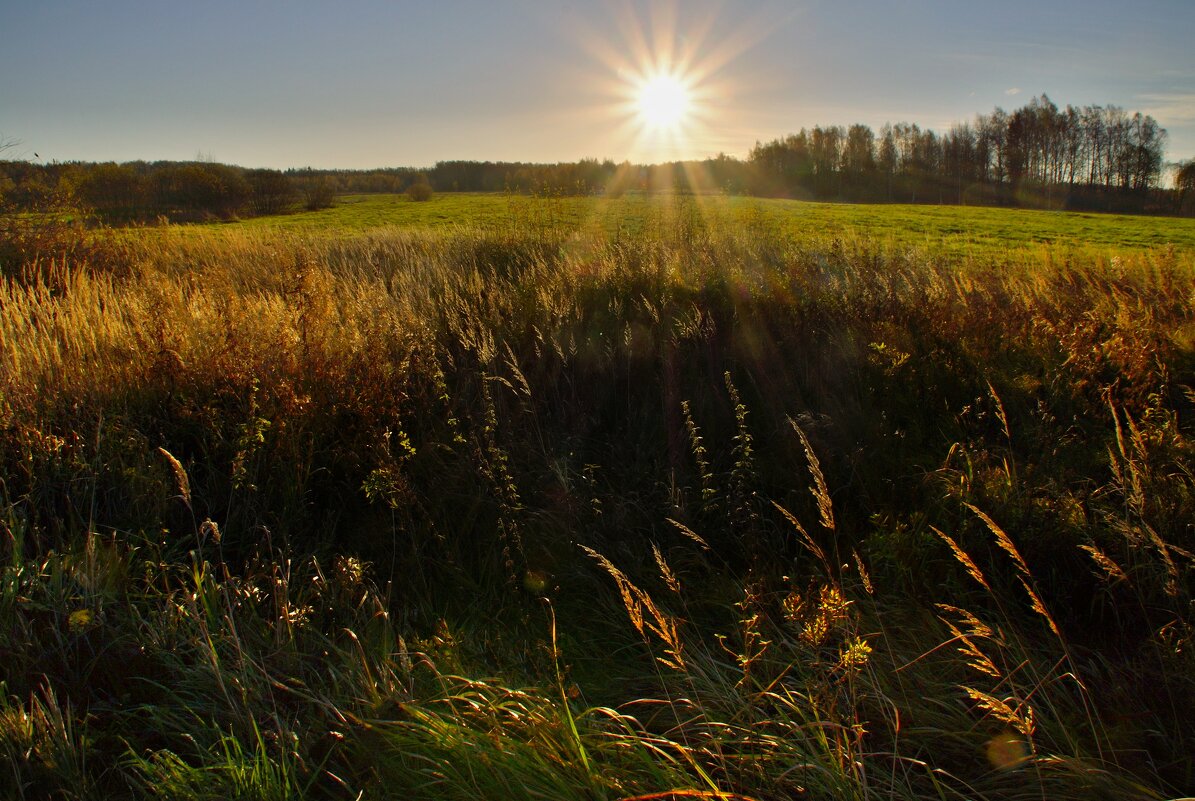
(531, 512)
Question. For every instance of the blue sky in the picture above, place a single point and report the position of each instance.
(363, 83)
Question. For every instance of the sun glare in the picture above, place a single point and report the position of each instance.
(665, 84)
(663, 102)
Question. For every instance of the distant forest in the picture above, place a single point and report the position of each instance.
(1097, 158)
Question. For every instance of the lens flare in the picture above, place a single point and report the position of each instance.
(663, 102)
(1007, 751)
(665, 85)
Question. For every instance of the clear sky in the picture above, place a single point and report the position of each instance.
(365, 83)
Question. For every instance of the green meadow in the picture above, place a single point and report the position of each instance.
(626, 499)
(975, 231)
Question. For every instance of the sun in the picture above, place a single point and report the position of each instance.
(665, 85)
(663, 102)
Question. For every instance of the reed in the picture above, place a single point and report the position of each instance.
(528, 511)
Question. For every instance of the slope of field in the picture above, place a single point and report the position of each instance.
(642, 503)
(979, 232)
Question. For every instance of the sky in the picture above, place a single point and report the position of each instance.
(374, 83)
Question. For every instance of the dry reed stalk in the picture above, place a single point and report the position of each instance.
(813, 547)
(1111, 570)
(690, 533)
(972, 569)
(637, 602)
(819, 490)
(1006, 544)
(181, 481)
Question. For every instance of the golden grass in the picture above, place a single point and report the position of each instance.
(447, 419)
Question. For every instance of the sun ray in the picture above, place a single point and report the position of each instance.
(665, 86)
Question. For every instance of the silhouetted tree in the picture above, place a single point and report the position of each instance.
(858, 161)
(271, 192)
(196, 190)
(319, 193)
(113, 191)
(1184, 187)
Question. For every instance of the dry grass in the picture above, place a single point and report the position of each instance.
(381, 505)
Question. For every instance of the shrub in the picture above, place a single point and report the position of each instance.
(319, 194)
(44, 224)
(420, 192)
(271, 191)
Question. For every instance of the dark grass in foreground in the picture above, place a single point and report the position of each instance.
(519, 514)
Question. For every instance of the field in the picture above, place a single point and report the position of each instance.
(639, 498)
(978, 232)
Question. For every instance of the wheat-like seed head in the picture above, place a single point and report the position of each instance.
(1111, 570)
(1003, 540)
(972, 569)
(643, 612)
(808, 541)
(180, 476)
(1036, 603)
(1020, 717)
(863, 576)
(209, 530)
(819, 490)
(976, 659)
(690, 533)
(666, 573)
(975, 626)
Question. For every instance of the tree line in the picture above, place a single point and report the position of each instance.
(181, 191)
(1040, 155)
(195, 191)
(1094, 157)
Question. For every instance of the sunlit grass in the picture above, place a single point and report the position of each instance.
(958, 231)
(561, 503)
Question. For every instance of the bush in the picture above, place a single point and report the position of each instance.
(271, 192)
(420, 192)
(199, 191)
(114, 192)
(319, 194)
(40, 224)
